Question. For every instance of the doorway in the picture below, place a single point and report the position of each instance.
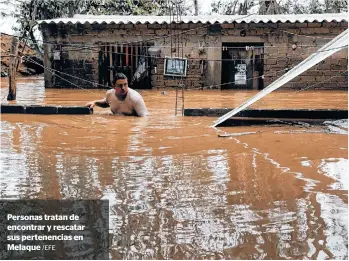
(242, 66)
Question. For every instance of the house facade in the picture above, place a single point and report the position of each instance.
(222, 52)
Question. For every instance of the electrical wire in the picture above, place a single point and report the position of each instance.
(50, 70)
(337, 106)
(178, 34)
(203, 87)
(247, 48)
(208, 86)
(78, 78)
(206, 47)
(326, 80)
(315, 84)
(150, 56)
(86, 46)
(252, 78)
(94, 83)
(215, 60)
(303, 35)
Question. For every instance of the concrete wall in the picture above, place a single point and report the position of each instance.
(278, 53)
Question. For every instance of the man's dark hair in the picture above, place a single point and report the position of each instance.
(118, 76)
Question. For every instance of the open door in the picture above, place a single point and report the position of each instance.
(242, 64)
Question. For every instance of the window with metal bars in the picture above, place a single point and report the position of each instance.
(131, 59)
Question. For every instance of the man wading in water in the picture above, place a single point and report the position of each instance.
(122, 99)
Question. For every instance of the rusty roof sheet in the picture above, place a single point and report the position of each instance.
(204, 19)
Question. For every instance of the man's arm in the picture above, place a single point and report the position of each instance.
(140, 108)
(101, 103)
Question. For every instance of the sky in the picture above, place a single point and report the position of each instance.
(7, 23)
(205, 5)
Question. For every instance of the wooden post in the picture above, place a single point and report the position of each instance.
(12, 70)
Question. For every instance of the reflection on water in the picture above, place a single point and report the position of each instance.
(334, 213)
(176, 189)
(29, 91)
(335, 168)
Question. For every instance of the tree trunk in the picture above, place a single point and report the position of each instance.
(71, 9)
(196, 7)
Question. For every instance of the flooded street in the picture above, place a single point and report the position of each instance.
(178, 191)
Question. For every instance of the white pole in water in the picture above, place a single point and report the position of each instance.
(327, 50)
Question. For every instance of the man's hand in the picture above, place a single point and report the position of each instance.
(91, 104)
(102, 103)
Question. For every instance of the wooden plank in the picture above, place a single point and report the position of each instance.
(273, 113)
(37, 109)
(44, 109)
(12, 109)
(74, 110)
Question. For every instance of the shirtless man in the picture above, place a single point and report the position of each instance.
(122, 99)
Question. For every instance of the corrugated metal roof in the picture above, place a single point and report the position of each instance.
(204, 19)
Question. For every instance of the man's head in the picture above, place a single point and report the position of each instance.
(120, 84)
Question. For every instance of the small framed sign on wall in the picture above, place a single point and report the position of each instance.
(176, 67)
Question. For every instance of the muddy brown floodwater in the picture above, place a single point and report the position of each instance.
(177, 190)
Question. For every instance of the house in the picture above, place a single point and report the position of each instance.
(224, 52)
